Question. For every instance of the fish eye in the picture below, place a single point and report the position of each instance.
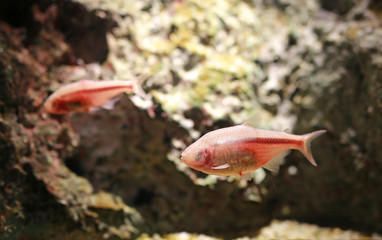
(204, 155)
(199, 156)
(207, 156)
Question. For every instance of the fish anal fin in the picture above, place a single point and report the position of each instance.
(273, 165)
(109, 105)
(246, 176)
(224, 166)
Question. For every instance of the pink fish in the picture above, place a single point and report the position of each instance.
(241, 149)
(84, 95)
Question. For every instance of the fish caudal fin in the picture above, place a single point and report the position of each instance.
(308, 138)
(138, 86)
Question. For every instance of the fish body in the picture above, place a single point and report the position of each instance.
(242, 149)
(84, 95)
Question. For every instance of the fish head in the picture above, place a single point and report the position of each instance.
(198, 155)
(55, 106)
(50, 106)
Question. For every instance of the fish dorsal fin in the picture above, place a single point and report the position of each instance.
(254, 121)
(224, 166)
(273, 165)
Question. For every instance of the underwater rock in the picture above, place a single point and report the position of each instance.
(40, 196)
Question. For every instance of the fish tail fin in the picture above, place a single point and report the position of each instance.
(308, 138)
(138, 86)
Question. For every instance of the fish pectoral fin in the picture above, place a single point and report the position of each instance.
(273, 165)
(224, 166)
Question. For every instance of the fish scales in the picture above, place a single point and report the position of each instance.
(84, 95)
(243, 148)
(89, 96)
(237, 157)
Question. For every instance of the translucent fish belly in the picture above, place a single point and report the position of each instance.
(239, 159)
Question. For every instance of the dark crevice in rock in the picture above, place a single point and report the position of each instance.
(84, 31)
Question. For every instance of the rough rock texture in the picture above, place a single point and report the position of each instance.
(117, 173)
(350, 107)
(40, 197)
(277, 230)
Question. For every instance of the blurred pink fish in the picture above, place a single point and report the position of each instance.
(85, 95)
(241, 149)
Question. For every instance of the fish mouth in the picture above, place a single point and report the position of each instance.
(182, 156)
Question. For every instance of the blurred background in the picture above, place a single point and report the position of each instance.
(301, 65)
